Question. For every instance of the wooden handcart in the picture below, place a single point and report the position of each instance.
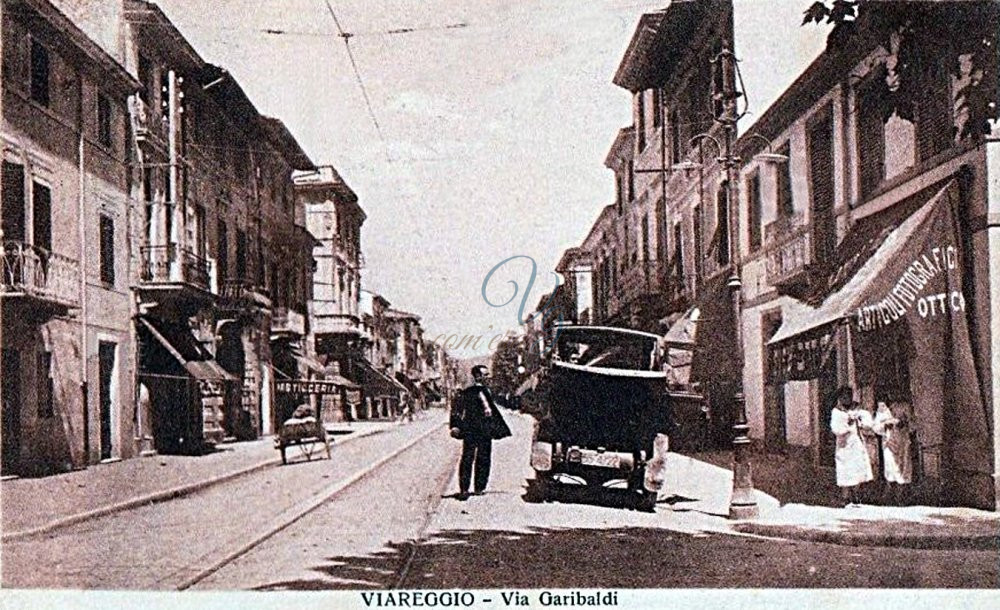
(305, 433)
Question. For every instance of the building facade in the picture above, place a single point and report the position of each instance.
(67, 394)
(870, 256)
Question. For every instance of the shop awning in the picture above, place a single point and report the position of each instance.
(683, 332)
(179, 342)
(853, 295)
(374, 382)
(407, 383)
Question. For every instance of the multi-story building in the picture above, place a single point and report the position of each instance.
(408, 364)
(374, 369)
(334, 218)
(220, 247)
(662, 211)
(207, 242)
(870, 257)
(576, 270)
(67, 390)
(662, 248)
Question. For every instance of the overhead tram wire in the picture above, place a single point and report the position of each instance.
(357, 75)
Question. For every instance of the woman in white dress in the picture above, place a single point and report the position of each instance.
(894, 423)
(850, 455)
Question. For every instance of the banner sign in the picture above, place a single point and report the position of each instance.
(306, 386)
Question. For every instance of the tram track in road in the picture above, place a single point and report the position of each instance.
(297, 512)
(421, 538)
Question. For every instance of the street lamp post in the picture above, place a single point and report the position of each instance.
(742, 504)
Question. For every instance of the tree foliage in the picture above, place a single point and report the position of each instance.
(962, 36)
(503, 367)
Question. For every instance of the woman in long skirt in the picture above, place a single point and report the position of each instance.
(850, 455)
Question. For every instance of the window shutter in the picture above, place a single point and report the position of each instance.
(871, 136)
(754, 212)
(42, 216)
(935, 122)
(13, 201)
(107, 250)
(820, 145)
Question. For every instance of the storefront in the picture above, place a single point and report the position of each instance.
(181, 387)
(890, 318)
(381, 395)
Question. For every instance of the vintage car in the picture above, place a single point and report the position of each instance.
(605, 413)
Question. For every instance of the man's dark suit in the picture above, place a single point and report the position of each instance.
(473, 414)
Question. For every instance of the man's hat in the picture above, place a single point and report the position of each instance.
(481, 367)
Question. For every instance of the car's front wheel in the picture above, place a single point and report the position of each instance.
(539, 488)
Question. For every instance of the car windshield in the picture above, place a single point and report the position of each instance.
(606, 348)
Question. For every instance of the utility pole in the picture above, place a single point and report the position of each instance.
(743, 504)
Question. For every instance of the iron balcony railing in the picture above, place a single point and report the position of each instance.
(788, 248)
(27, 270)
(241, 295)
(285, 320)
(639, 279)
(169, 264)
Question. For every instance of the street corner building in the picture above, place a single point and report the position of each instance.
(861, 223)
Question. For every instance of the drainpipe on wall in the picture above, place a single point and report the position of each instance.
(82, 235)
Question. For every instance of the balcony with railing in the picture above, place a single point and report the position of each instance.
(679, 288)
(788, 253)
(640, 279)
(241, 297)
(169, 268)
(329, 318)
(46, 279)
(285, 321)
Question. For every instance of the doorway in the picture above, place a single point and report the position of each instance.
(828, 384)
(775, 433)
(106, 365)
(11, 439)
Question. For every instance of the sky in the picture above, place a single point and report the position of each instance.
(484, 130)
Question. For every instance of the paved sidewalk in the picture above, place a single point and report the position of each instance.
(28, 504)
(698, 486)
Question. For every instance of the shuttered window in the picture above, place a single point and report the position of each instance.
(104, 120)
(871, 134)
(13, 201)
(820, 146)
(722, 224)
(223, 261)
(39, 73)
(935, 122)
(107, 242)
(786, 205)
(754, 210)
(640, 120)
(41, 215)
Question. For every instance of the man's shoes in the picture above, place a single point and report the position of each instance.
(479, 492)
(462, 495)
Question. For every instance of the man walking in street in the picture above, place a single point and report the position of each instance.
(475, 420)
